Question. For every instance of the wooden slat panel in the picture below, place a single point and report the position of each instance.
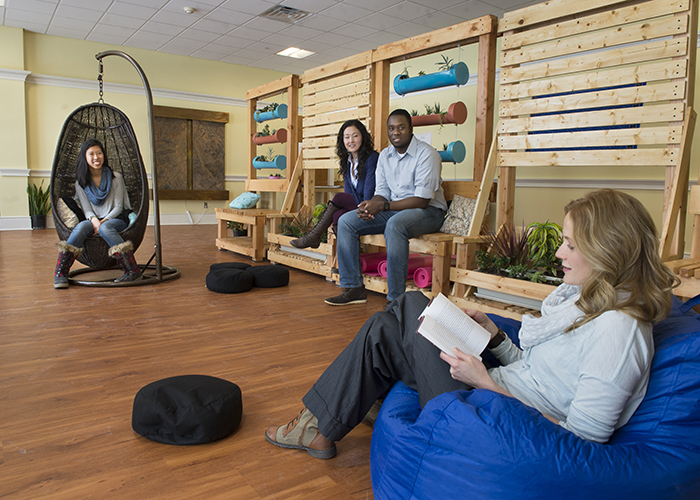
(555, 9)
(362, 87)
(435, 41)
(338, 81)
(623, 76)
(625, 137)
(319, 131)
(319, 142)
(270, 89)
(586, 100)
(617, 158)
(320, 153)
(596, 61)
(337, 105)
(319, 164)
(462, 188)
(603, 118)
(598, 40)
(605, 20)
(337, 67)
(339, 117)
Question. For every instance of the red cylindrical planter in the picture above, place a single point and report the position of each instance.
(456, 113)
(278, 136)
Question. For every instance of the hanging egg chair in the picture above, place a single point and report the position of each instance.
(113, 129)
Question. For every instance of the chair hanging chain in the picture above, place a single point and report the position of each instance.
(101, 83)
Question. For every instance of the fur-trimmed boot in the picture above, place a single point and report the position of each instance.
(313, 238)
(66, 256)
(124, 253)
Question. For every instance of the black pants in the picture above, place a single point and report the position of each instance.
(386, 349)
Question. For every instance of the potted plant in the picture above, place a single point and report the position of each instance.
(267, 136)
(39, 204)
(448, 74)
(271, 160)
(238, 228)
(456, 113)
(454, 152)
(270, 112)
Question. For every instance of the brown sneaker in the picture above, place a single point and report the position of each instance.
(302, 434)
(349, 296)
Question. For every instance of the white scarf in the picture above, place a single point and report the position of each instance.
(559, 311)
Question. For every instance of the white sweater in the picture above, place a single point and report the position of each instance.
(592, 379)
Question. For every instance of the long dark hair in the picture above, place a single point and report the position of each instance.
(82, 171)
(365, 151)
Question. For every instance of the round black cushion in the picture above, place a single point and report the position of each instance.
(229, 265)
(269, 276)
(189, 409)
(227, 280)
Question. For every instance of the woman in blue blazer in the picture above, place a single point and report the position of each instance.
(358, 162)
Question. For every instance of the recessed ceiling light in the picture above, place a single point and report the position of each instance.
(295, 52)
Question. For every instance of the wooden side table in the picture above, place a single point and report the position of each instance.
(253, 245)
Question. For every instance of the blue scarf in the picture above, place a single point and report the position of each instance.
(97, 195)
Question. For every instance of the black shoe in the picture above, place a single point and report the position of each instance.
(349, 296)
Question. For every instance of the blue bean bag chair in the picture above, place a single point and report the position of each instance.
(481, 445)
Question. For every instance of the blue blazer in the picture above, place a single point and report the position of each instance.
(365, 185)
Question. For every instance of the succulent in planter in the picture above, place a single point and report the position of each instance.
(270, 107)
(303, 222)
(238, 228)
(445, 64)
(39, 203)
(544, 239)
(269, 156)
(265, 131)
(435, 109)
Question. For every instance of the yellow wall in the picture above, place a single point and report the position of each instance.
(33, 114)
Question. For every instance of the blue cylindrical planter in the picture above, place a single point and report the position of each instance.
(280, 163)
(456, 152)
(279, 112)
(456, 75)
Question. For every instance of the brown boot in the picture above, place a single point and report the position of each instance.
(124, 254)
(312, 239)
(66, 256)
(302, 434)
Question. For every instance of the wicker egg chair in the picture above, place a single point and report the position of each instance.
(112, 128)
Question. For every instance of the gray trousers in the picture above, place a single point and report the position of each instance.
(386, 349)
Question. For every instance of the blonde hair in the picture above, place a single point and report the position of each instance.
(617, 237)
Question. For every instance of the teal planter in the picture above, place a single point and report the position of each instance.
(280, 163)
(456, 152)
(279, 112)
(456, 75)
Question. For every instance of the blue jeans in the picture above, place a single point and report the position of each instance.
(109, 230)
(398, 228)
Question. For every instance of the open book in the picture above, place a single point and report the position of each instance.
(447, 326)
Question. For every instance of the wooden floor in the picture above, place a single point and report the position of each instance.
(71, 362)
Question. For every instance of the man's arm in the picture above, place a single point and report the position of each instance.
(368, 209)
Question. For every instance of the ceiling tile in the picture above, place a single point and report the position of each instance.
(246, 6)
(270, 62)
(142, 44)
(174, 18)
(233, 42)
(219, 50)
(153, 4)
(300, 31)
(34, 6)
(123, 21)
(379, 21)
(279, 39)
(238, 59)
(249, 33)
(266, 48)
(100, 5)
(113, 30)
(439, 4)
(314, 6)
(229, 16)
(408, 11)
(438, 20)
(214, 26)
(184, 47)
(470, 10)
(321, 22)
(355, 30)
(202, 36)
(78, 13)
(159, 38)
(315, 46)
(383, 37)
(264, 24)
(363, 45)
(69, 22)
(334, 39)
(205, 54)
(26, 16)
(163, 29)
(341, 53)
(407, 30)
(130, 10)
(375, 5)
(346, 12)
(34, 27)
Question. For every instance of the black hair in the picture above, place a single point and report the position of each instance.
(82, 171)
(365, 151)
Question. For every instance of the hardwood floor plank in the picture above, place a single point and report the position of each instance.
(73, 360)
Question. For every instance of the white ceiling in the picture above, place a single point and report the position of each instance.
(232, 31)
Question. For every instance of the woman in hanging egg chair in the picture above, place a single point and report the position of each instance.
(105, 203)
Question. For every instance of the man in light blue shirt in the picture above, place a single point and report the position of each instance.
(408, 201)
